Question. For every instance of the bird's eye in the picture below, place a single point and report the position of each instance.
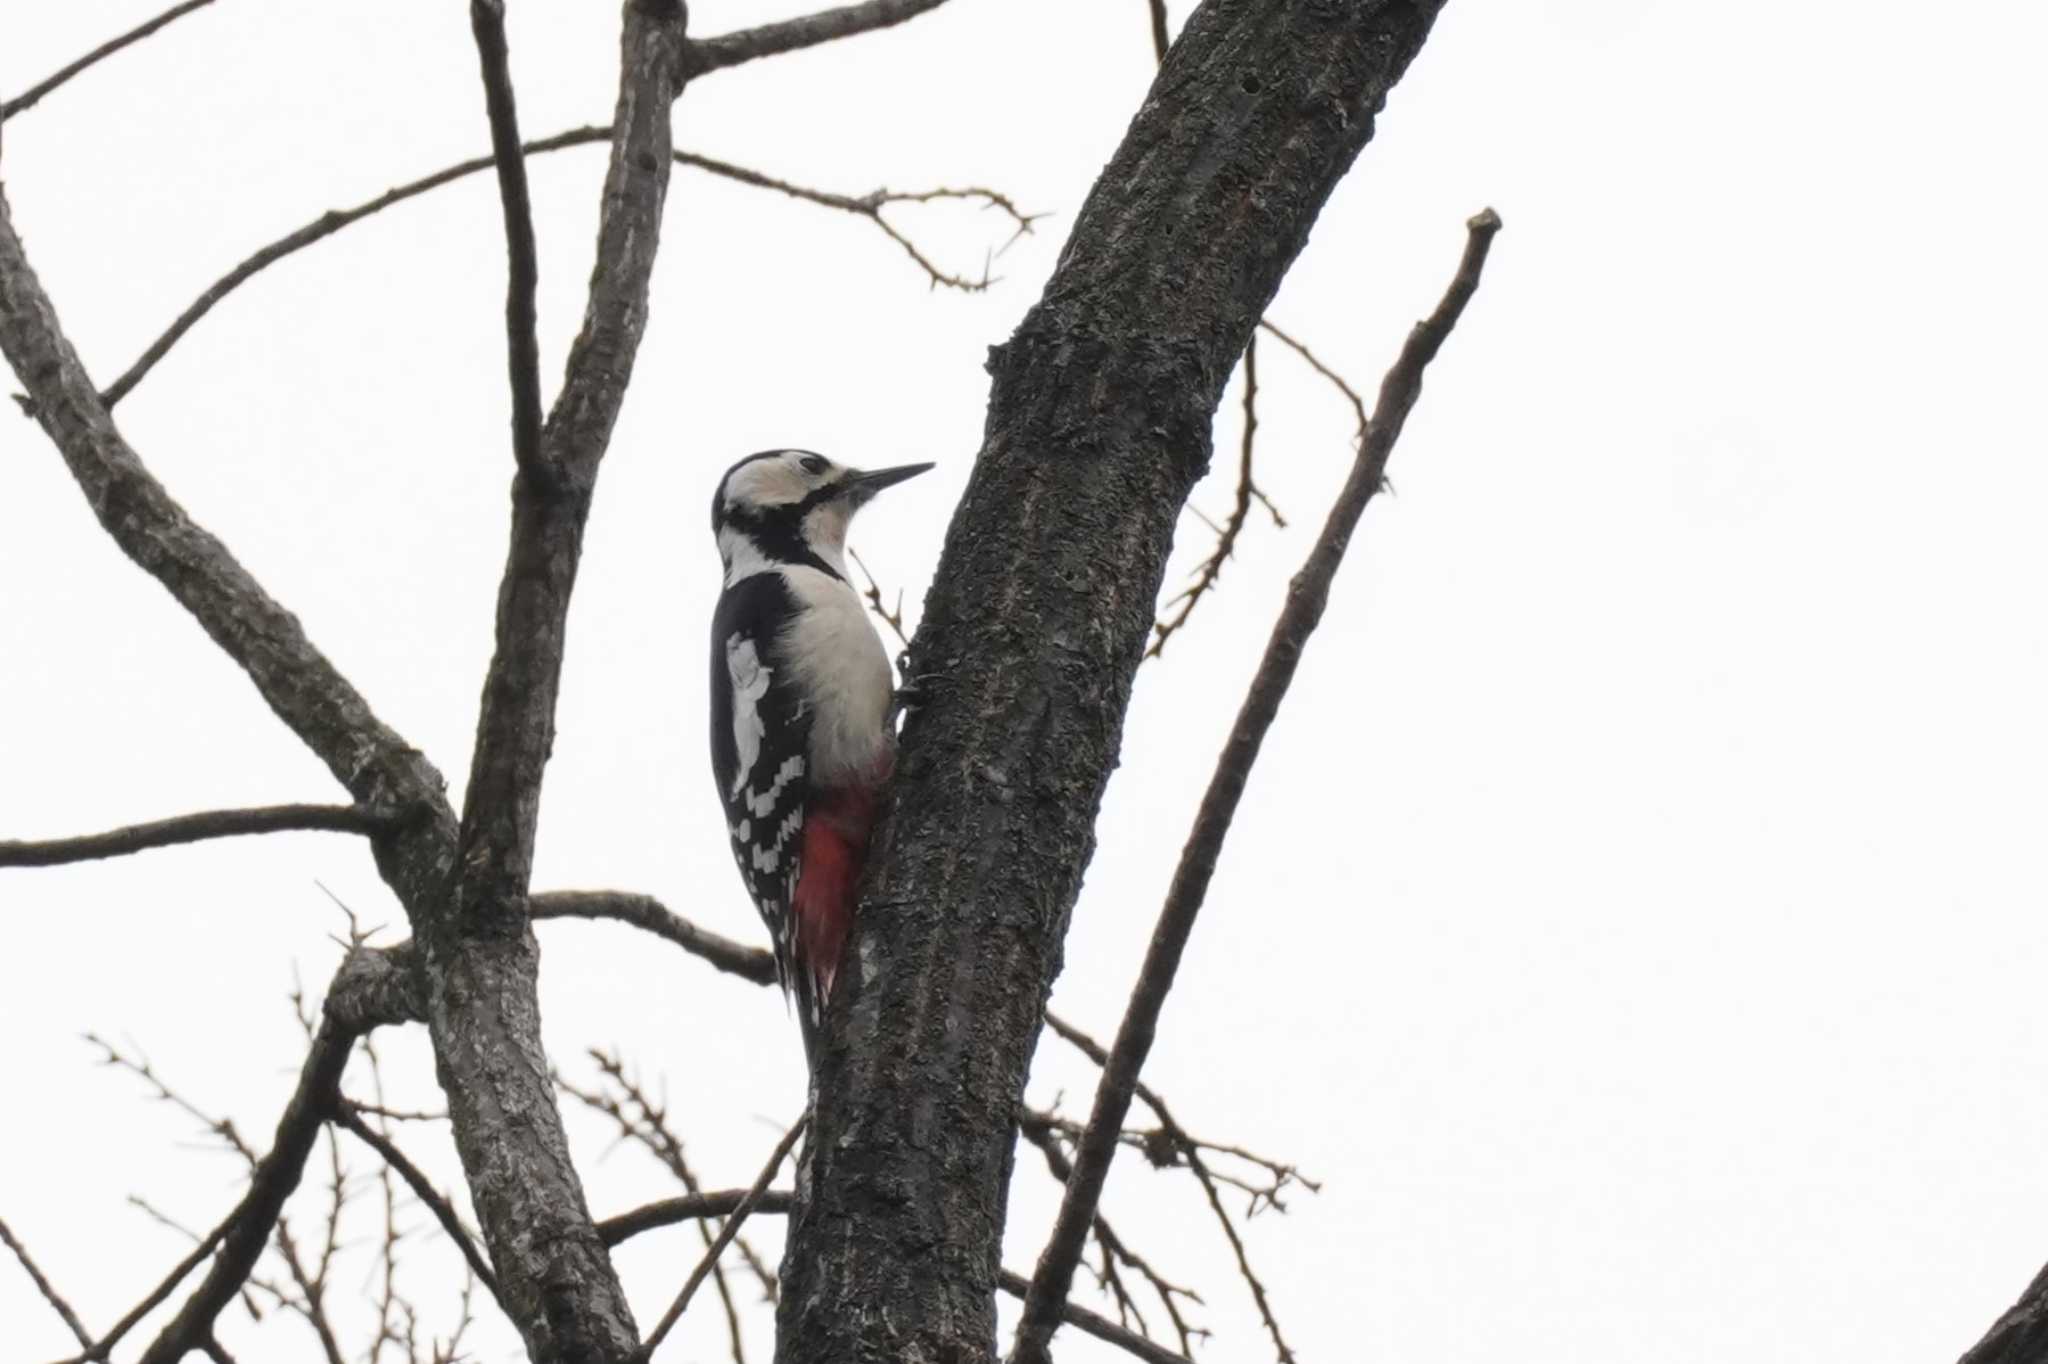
(815, 465)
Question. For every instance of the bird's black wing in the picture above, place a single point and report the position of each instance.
(760, 734)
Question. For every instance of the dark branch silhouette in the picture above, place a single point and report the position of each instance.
(1306, 598)
(28, 98)
(770, 40)
(165, 833)
(487, 21)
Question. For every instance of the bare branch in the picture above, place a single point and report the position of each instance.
(331, 222)
(99, 1349)
(276, 1176)
(1226, 537)
(1038, 1129)
(349, 1116)
(667, 1212)
(43, 1286)
(1017, 1286)
(641, 1119)
(222, 1128)
(28, 98)
(326, 225)
(777, 1202)
(1244, 1264)
(892, 619)
(756, 964)
(724, 1238)
(1316, 364)
(312, 1290)
(487, 21)
(165, 833)
(770, 40)
(1306, 598)
(379, 769)
(870, 206)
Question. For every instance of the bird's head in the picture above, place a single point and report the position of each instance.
(793, 506)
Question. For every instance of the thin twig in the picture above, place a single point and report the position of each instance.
(311, 1291)
(487, 22)
(331, 222)
(43, 1286)
(870, 206)
(646, 1122)
(275, 1177)
(790, 35)
(223, 1128)
(27, 98)
(725, 1235)
(1306, 598)
(1244, 1264)
(892, 619)
(165, 833)
(1159, 39)
(1226, 538)
(1039, 1132)
(1315, 363)
(349, 1116)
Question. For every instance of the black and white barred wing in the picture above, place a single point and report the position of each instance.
(760, 732)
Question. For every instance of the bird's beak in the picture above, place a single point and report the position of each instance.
(859, 487)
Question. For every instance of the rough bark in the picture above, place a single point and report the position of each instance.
(1098, 426)
(2021, 1335)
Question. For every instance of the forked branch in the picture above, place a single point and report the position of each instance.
(867, 206)
(1306, 598)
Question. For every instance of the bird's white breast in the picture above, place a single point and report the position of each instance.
(837, 663)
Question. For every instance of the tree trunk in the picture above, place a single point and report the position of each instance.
(1098, 426)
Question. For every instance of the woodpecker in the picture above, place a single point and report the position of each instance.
(801, 734)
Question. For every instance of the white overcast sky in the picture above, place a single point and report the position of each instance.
(1635, 920)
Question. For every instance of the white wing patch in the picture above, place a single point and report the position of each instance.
(750, 679)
